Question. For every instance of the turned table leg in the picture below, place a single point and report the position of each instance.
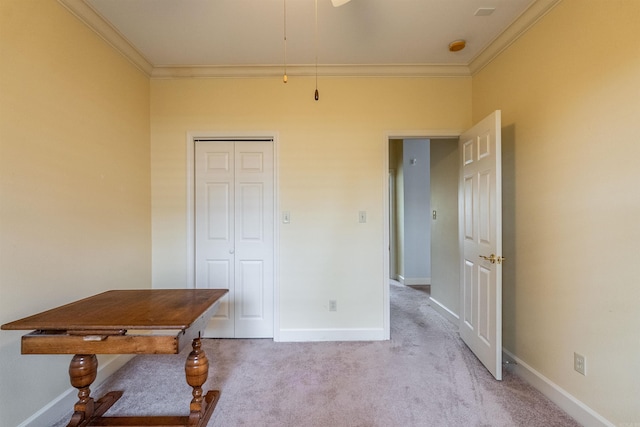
(82, 372)
(197, 371)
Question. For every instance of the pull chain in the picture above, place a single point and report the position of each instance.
(284, 78)
(316, 94)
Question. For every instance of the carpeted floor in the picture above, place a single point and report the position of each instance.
(424, 376)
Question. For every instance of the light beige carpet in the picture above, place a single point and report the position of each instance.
(424, 376)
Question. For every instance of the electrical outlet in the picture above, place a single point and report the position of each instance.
(579, 364)
(333, 305)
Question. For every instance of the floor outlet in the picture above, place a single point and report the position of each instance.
(333, 305)
(579, 364)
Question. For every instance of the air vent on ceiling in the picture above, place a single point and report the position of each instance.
(485, 11)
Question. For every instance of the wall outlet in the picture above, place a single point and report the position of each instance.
(579, 364)
(333, 305)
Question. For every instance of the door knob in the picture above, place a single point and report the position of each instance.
(493, 258)
(231, 251)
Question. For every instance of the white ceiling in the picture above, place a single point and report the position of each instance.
(249, 33)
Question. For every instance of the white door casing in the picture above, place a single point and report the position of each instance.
(393, 274)
(480, 232)
(234, 234)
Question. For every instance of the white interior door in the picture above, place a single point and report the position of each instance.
(234, 234)
(480, 223)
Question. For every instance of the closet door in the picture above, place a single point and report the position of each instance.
(234, 234)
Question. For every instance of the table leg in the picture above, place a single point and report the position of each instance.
(197, 371)
(82, 372)
(84, 368)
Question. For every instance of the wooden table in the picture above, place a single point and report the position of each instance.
(165, 321)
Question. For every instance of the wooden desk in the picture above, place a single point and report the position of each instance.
(165, 321)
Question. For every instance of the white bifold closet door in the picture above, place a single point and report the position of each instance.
(234, 234)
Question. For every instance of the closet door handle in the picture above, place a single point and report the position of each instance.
(232, 251)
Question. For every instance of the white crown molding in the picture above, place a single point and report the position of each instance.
(398, 70)
(93, 20)
(112, 36)
(521, 25)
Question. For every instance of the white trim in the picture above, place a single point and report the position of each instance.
(567, 402)
(330, 70)
(92, 19)
(386, 304)
(520, 26)
(107, 32)
(276, 238)
(445, 312)
(424, 134)
(190, 212)
(414, 281)
(313, 335)
(62, 405)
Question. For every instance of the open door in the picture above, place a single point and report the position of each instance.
(480, 225)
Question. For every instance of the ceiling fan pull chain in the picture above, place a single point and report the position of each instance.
(284, 78)
(316, 95)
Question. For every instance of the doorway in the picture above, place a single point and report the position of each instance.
(410, 213)
(443, 199)
(479, 285)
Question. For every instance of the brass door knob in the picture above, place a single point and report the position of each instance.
(493, 258)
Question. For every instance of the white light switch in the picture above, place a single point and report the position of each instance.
(362, 217)
(286, 217)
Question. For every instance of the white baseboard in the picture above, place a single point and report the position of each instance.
(413, 281)
(567, 402)
(63, 404)
(444, 311)
(308, 335)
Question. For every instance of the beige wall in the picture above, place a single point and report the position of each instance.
(74, 183)
(331, 157)
(569, 91)
(445, 247)
(74, 179)
(396, 164)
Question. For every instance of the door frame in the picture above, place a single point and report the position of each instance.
(192, 136)
(402, 134)
(393, 240)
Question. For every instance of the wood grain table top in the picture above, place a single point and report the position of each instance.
(140, 309)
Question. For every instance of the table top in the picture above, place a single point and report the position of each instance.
(142, 309)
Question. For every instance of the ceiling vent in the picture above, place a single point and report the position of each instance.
(485, 11)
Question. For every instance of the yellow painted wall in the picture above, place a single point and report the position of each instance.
(445, 246)
(80, 128)
(74, 183)
(569, 91)
(331, 157)
(397, 166)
